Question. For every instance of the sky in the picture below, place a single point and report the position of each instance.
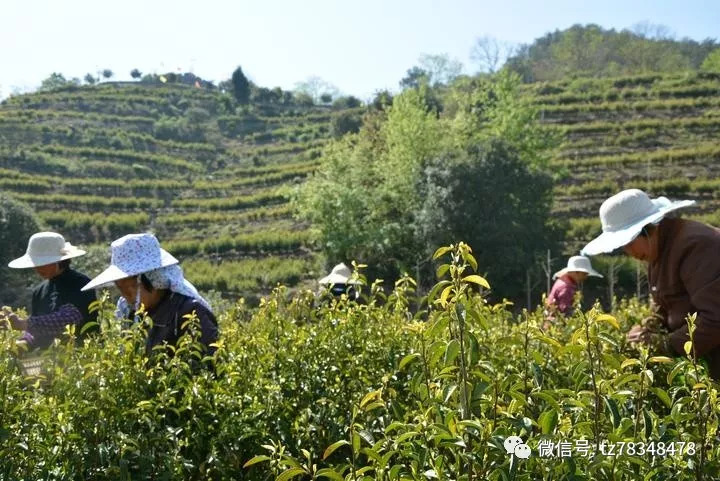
(358, 46)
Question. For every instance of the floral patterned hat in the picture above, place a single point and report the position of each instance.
(132, 255)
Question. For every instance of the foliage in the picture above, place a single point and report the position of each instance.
(345, 122)
(712, 62)
(371, 390)
(54, 82)
(414, 78)
(240, 86)
(496, 201)
(315, 87)
(593, 52)
(17, 223)
(369, 198)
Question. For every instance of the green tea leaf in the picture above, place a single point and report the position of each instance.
(548, 421)
(257, 459)
(290, 473)
(481, 281)
(331, 449)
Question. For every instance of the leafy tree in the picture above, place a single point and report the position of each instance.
(326, 98)
(303, 99)
(382, 100)
(414, 77)
(712, 62)
(240, 86)
(370, 199)
(343, 123)
(17, 223)
(489, 197)
(135, 73)
(107, 73)
(54, 81)
(348, 102)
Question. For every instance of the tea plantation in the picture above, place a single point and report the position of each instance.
(213, 181)
(347, 391)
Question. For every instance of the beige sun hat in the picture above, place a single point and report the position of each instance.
(45, 248)
(132, 255)
(625, 214)
(578, 264)
(341, 274)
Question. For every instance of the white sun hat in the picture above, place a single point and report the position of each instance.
(45, 248)
(132, 255)
(340, 274)
(578, 264)
(625, 214)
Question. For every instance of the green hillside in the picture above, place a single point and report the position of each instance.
(653, 132)
(97, 162)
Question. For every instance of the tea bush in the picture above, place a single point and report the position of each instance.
(392, 388)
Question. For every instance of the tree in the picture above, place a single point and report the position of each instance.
(414, 78)
(490, 198)
(326, 98)
(712, 62)
(54, 81)
(240, 86)
(316, 87)
(379, 194)
(107, 73)
(489, 53)
(591, 51)
(348, 102)
(135, 73)
(345, 122)
(441, 68)
(17, 223)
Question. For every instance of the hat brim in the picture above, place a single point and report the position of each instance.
(27, 261)
(591, 272)
(113, 273)
(337, 279)
(610, 241)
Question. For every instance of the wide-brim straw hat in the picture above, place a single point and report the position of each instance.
(340, 274)
(578, 264)
(132, 255)
(45, 248)
(625, 214)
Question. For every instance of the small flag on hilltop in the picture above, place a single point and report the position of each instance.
(163, 79)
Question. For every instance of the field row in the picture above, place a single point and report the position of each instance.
(576, 113)
(705, 89)
(707, 152)
(199, 189)
(245, 276)
(581, 85)
(244, 244)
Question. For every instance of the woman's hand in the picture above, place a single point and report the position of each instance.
(16, 322)
(640, 334)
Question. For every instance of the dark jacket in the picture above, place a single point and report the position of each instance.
(53, 294)
(168, 320)
(685, 278)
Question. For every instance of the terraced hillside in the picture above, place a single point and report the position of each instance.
(652, 132)
(99, 162)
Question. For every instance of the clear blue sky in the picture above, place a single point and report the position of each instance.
(359, 46)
